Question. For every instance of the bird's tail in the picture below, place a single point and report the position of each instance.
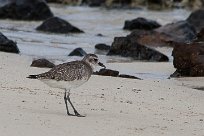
(33, 76)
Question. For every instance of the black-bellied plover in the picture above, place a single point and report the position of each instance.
(69, 75)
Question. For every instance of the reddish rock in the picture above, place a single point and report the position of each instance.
(180, 31)
(189, 59)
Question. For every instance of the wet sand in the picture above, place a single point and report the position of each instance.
(113, 106)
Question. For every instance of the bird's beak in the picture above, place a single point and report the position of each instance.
(101, 64)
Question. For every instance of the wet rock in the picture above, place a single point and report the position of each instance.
(128, 76)
(189, 59)
(196, 19)
(58, 25)
(126, 48)
(107, 72)
(25, 9)
(180, 31)
(102, 46)
(42, 63)
(141, 23)
(7, 45)
(78, 52)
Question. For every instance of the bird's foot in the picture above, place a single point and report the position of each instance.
(78, 115)
(69, 114)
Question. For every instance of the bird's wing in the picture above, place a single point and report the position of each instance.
(67, 71)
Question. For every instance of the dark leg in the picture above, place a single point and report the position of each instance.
(75, 111)
(65, 100)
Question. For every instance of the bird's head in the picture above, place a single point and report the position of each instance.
(92, 60)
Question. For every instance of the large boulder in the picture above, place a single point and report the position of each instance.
(7, 45)
(189, 59)
(180, 31)
(141, 23)
(196, 18)
(124, 47)
(42, 63)
(58, 25)
(25, 9)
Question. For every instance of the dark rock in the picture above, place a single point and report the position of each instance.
(72, 2)
(180, 31)
(42, 63)
(189, 59)
(196, 18)
(7, 45)
(159, 4)
(25, 9)
(93, 3)
(198, 70)
(78, 52)
(200, 35)
(127, 4)
(100, 35)
(107, 72)
(125, 47)
(128, 76)
(102, 46)
(113, 73)
(141, 23)
(57, 25)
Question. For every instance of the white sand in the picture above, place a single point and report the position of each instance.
(114, 106)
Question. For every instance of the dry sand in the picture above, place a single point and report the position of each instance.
(114, 106)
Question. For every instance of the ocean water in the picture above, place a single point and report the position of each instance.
(92, 21)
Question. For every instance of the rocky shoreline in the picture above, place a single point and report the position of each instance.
(145, 35)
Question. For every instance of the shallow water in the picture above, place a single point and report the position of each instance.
(91, 20)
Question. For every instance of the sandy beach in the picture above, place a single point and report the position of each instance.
(113, 106)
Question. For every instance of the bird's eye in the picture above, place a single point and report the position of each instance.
(95, 60)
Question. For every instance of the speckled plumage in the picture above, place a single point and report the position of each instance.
(75, 70)
(69, 75)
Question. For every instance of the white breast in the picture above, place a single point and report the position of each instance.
(63, 84)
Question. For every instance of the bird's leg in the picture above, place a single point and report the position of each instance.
(75, 111)
(65, 100)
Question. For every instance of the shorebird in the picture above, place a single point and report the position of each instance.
(70, 75)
